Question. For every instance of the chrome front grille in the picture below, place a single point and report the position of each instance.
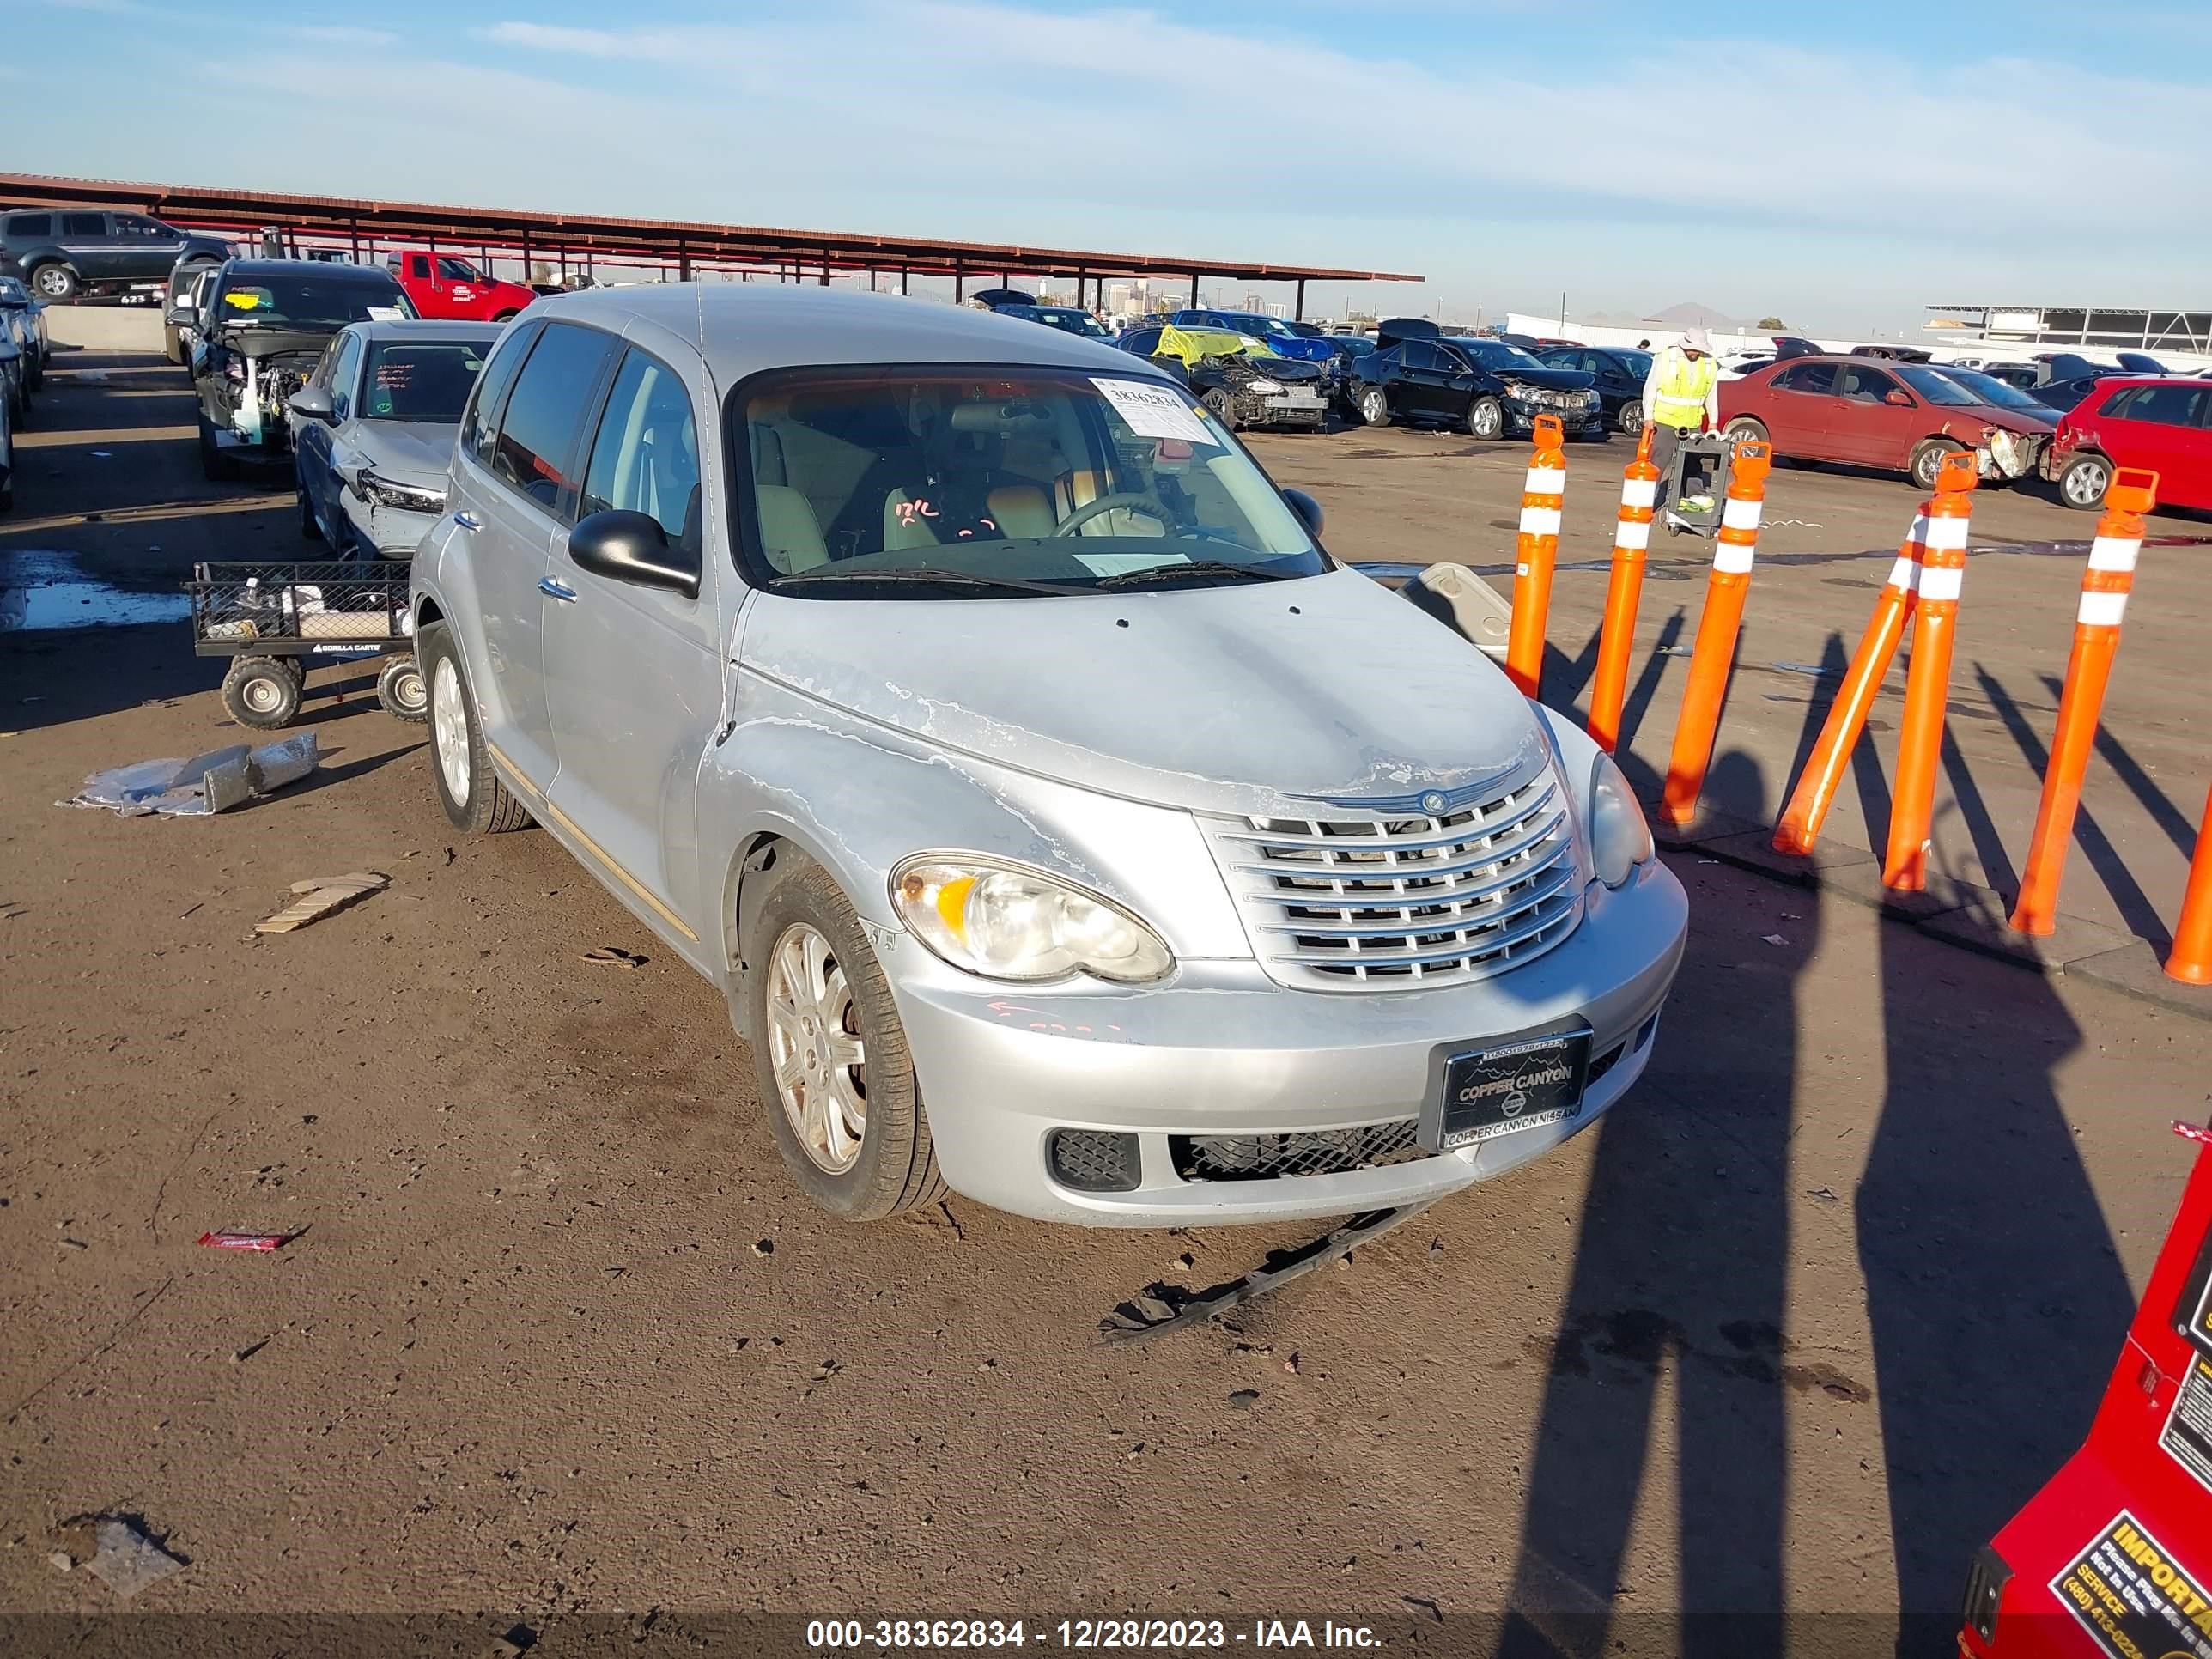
(1346, 903)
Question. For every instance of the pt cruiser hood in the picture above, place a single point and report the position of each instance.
(1256, 699)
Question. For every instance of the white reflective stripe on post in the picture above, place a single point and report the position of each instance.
(2111, 553)
(1940, 582)
(1734, 557)
(1639, 492)
(1547, 481)
(1632, 532)
(2102, 609)
(1904, 574)
(1540, 520)
(1740, 514)
(1945, 535)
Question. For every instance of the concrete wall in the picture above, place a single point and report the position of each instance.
(105, 327)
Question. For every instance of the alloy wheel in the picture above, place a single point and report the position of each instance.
(815, 1048)
(449, 725)
(1374, 408)
(2085, 483)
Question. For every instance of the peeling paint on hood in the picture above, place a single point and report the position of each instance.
(1220, 700)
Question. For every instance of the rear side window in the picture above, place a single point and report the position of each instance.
(536, 451)
(84, 224)
(481, 425)
(31, 224)
(1807, 377)
(2180, 405)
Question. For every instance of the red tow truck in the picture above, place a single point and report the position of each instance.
(2112, 1559)
(450, 288)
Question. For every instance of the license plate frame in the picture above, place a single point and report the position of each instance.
(1526, 1081)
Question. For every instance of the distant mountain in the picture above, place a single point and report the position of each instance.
(1689, 315)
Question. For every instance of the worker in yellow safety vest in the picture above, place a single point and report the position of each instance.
(1681, 394)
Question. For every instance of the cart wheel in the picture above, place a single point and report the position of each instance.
(400, 689)
(299, 667)
(261, 692)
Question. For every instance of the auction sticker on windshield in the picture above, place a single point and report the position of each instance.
(2135, 1599)
(1154, 411)
(1519, 1086)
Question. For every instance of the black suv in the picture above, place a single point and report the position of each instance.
(66, 251)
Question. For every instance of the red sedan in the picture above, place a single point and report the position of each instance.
(2162, 423)
(1870, 412)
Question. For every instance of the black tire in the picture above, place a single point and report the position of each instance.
(404, 692)
(262, 692)
(1744, 429)
(2083, 485)
(1222, 405)
(310, 529)
(7, 489)
(488, 808)
(1927, 460)
(1630, 422)
(1373, 406)
(55, 281)
(297, 666)
(895, 1169)
(505, 316)
(216, 466)
(1484, 419)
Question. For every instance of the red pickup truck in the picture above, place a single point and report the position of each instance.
(451, 290)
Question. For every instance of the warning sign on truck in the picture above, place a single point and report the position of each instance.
(2135, 1598)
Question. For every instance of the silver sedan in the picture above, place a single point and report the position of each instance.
(1063, 825)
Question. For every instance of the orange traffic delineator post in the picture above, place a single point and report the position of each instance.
(2191, 960)
(1537, 551)
(1839, 734)
(1714, 652)
(1624, 591)
(2105, 587)
(1928, 681)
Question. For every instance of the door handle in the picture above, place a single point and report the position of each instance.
(557, 590)
(468, 521)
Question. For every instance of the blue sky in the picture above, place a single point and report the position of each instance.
(1840, 165)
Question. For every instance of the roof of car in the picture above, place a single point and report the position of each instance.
(251, 268)
(742, 328)
(430, 330)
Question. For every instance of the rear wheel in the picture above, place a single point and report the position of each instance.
(829, 1055)
(1374, 407)
(2083, 484)
(55, 282)
(1631, 418)
(475, 800)
(1486, 418)
(1927, 459)
(1742, 430)
(261, 692)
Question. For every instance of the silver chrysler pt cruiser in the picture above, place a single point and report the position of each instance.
(1064, 826)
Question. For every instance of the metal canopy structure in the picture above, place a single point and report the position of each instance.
(684, 248)
(2140, 328)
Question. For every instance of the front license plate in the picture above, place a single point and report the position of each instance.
(1518, 1085)
(1296, 400)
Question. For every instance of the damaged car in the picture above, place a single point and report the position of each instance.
(1240, 380)
(1486, 388)
(1060, 824)
(372, 432)
(1903, 417)
(264, 326)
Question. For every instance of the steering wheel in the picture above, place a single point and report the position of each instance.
(1083, 515)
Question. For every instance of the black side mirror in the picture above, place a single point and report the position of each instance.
(1307, 508)
(313, 402)
(180, 317)
(631, 547)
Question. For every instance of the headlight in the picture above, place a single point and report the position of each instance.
(1263, 386)
(1006, 922)
(1620, 838)
(412, 498)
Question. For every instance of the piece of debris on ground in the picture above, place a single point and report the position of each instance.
(322, 897)
(226, 1241)
(615, 954)
(214, 782)
(124, 1557)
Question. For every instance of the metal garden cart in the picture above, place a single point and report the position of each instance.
(273, 620)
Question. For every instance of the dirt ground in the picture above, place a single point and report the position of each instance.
(1795, 1330)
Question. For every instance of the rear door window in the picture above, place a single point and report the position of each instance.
(1862, 385)
(1820, 379)
(535, 454)
(2178, 404)
(85, 226)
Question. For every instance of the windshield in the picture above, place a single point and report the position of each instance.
(1496, 354)
(1070, 319)
(1988, 389)
(311, 300)
(937, 483)
(421, 380)
(1937, 388)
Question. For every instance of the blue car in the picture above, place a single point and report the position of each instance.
(1283, 339)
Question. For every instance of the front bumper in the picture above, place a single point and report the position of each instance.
(1222, 1051)
(1284, 409)
(394, 531)
(1521, 419)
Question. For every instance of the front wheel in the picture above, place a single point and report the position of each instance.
(216, 466)
(475, 801)
(830, 1053)
(55, 281)
(401, 690)
(1928, 461)
(262, 692)
(1744, 430)
(1222, 405)
(1486, 418)
(2083, 484)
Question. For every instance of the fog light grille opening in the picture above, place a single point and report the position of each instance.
(1605, 1062)
(1644, 1032)
(1093, 1160)
(1300, 1152)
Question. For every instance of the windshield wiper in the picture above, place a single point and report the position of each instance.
(931, 573)
(1207, 567)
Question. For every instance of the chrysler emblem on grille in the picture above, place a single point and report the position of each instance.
(1434, 802)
